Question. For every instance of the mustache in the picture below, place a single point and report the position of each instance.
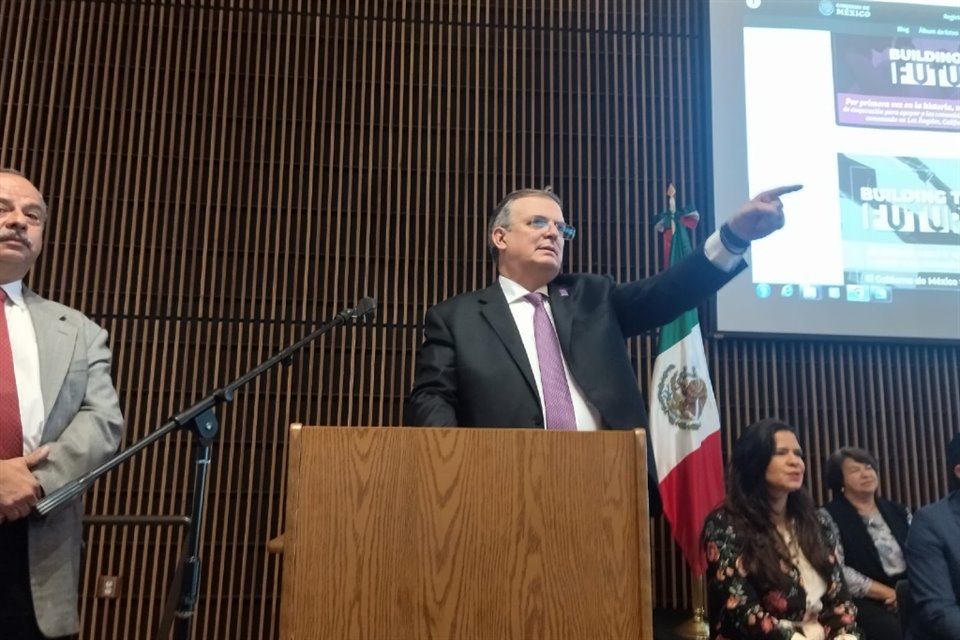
(19, 237)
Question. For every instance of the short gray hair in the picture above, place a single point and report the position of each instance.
(501, 213)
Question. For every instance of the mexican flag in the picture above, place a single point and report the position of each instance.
(684, 421)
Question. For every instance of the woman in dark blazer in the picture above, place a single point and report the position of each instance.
(873, 533)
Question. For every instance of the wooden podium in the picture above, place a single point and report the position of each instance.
(400, 533)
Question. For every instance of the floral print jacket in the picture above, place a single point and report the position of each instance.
(740, 611)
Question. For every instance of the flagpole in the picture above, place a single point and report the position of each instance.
(671, 223)
(696, 627)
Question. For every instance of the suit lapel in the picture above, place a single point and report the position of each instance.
(496, 311)
(55, 344)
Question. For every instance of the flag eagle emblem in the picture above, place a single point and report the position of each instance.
(682, 395)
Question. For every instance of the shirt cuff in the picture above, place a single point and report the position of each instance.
(719, 255)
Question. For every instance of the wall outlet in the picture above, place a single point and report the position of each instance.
(108, 587)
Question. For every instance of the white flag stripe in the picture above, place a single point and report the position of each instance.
(672, 442)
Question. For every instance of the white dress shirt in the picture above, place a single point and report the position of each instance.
(26, 364)
(588, 418)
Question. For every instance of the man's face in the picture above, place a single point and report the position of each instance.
(22, 219)
(530, 249)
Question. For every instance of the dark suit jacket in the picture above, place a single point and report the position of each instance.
(859, 550)
(933, 567)
(472, 370)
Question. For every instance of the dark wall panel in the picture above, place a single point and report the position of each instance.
(224, 174)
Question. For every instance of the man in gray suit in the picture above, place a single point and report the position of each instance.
(59, 418)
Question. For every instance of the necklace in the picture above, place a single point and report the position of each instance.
(789, 538)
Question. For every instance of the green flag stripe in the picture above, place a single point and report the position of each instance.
(674, 332)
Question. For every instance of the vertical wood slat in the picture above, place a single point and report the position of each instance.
(225, 173)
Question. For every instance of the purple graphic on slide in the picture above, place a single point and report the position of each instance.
(903, 83)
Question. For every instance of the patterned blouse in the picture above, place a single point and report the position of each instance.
(891, 555)
(740, 611)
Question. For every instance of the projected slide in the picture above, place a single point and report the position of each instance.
(860, 102)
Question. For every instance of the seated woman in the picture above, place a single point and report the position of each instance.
(772, 572)
(873, 532)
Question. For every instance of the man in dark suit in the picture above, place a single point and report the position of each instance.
(933, 561)
(59, 418)
(482, 361)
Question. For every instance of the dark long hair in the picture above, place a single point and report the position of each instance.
(747, 505)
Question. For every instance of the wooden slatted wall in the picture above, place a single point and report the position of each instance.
(224, 173)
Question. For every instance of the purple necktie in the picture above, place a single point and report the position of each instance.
(556, 391)
(11, 430)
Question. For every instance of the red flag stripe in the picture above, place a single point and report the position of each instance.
(689, 492)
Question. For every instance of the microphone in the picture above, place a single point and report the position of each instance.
(366, 309)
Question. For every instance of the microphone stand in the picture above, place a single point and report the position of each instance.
(201, 420)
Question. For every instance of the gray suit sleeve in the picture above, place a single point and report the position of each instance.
(85, 422)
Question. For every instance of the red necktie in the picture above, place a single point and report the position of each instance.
(11, 430)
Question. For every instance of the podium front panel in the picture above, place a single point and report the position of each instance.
(466, 533)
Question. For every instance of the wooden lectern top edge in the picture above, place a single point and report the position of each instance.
(300, 425)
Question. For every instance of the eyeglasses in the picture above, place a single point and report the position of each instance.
(567, 231)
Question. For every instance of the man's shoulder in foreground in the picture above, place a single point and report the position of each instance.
(938, 513)
(35, 302)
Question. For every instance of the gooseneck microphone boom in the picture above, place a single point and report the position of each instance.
(201, 420)
(365, 309)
